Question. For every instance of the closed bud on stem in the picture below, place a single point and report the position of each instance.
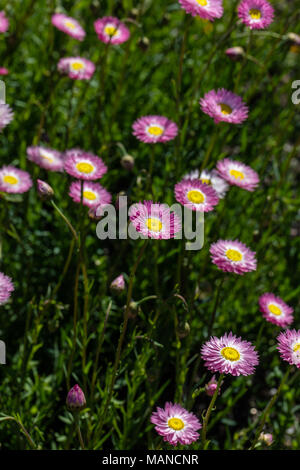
(76, 399)
(235, 52)
(127, 162)
(118, 284)
(45, 191)
(183, 330)
(267, 438)
(211, 386)
(94, 214)
(295, 38)
(143, 43)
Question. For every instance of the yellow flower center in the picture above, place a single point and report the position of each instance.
(155, 130)
(231, 354)
(176, 423)
(195, 196)
(89, 195)
(84, 167)
(202, 3)
(234, 255)
(255, 13)
(110, 30)
(296, 348)
(155, 225)
(275, 310)
(10, 179)
(46, 157)
(70, 25)
(225, 108)
(238, 175)
(77, 66)
(205, 180)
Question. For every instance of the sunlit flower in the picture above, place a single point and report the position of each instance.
(223, 105)
(94, 195)
(84, 165)
(257, 14)
(68, 25)
(4, 71)
(211, 178)
(154, 220)
(275, 310)
(76, 68)
(6, 115)
(230, 355)
(6, 288)
(206, 9)
(46, 158)
(233, 256)
(176, 424)
(111, 30)
(4, 22)
(196, 195)
(153, 129)
(13, 180)
(238, 174)
(289, 346)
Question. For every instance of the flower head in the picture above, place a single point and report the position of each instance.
(223, 105)
(75, 399)
(84, 165)
(13, 180)
(153, 129)
(211, 178)
(4, 22)
(257, 14)
(289, 346)
(94, 195)
(6, 288)
(195, 195)
(118, 284)
(46, 158)
(6, 115)
(233, 256)
(206, 9)
(111, 30)
(44, 190)
(230, 355)
(176, 424)
(275, 310)
(77, 68)
(4, 71)
(154, 220)
(238, 174)
(68, 25)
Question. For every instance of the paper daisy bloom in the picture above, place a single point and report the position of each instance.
(94, 195)
(68, 25)
(223, 105)
(196, 195)
(84, 165)
(211, 178)
(111, 30)
(238, 174)
(257, 14)
(275, 310)
(233, 256)
(6, 288)
(176, 424)
(77, 68)
(289, 346)
(154, 220)
(229, 355)
(46, 158)
(13, 180)
(206, 9)
(153, 129)
(6, 115)
(4, 22)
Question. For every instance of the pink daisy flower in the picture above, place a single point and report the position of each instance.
(154, 220)
(84, 165)
(68, 25)
(4, 22)
(153, 129)
(196, 195)
(6, 115)
(4, 71)
(233, 256)
(46, 158)
(212, 178)
(6, 288)
(275, 310)
(229, 355)
(289, 346)
(77, 68)
(13, 180)
(176, 424)
(206, 9)
(111, 30)
(257, 14)
(94, 195)
(238, 174)
(223, 105)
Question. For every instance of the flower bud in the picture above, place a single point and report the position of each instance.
(211, 386)
(44, 190)
(127, 162)
(183, 330)
(295, 38)
(143, 43)
(76, 399)
(118, 285)
(267, 438)
(94, 214)
(235, 52)
(4, 71)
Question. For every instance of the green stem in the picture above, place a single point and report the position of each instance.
(23, 429)
(208, 412)
(65, 220)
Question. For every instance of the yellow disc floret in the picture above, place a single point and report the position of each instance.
(10, 179)
(234, 255)
(195, 196)
(176, 423)
(155, 130)
(275, 310)
(238, 175)
(84, 167)
(255, 13)
(231, 354)
(155, 225)
(89, 195)
(225, 108)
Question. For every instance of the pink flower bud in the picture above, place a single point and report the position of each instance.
(44, 190)
(4, 71)
(211, 386)
(118, 285)
(267, 438)
(76, 399)
(235, 52)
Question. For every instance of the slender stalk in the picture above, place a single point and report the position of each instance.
(23, 429)
(75, 319)
(210, 147)
(77, 425)
(65, 219)
(217, 299)
(208, 412)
